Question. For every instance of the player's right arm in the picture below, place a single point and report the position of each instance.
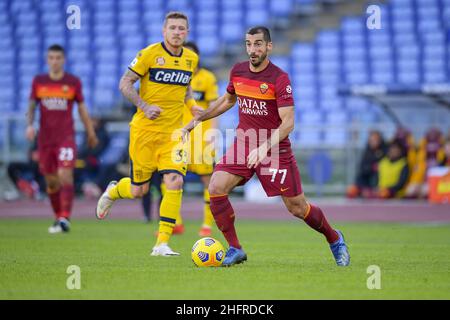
(126, 86)
(215, 109)
(30, 132)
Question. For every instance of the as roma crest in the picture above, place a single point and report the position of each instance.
(263, 88)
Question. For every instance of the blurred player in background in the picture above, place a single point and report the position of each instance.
(55, 94)
(266, 111)
(201, 157)
(164, 70)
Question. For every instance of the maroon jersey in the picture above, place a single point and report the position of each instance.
(259, 96)
(55, 99)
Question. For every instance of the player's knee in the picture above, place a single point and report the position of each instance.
(137, 192)
(53, 185)
(65, 177)
(174, 182)
(298, 209)
(215, 188)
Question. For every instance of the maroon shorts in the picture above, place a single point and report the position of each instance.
(279, 175)
(60, 156)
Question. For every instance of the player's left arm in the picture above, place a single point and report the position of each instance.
(190, 102)
(282, 132)
(84, 116)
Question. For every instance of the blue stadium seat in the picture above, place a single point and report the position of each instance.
(77, 42)
(256, 17)
(128, 5)
(280, 61)
(429, 26)
(24, 30)
(231, 4)
(208, 45)
(331, 104)
(307, 138)
(256, 4)
(230, 15)
(103, 98)
(105, 82)
(29, 55)
(335, 137)
(281, 8)
(207, 15)
(327, 78)
(20, 6)
(126, 16)
(107, 69)
(82, 56)
(328, 53)
(353, 25)
(150, 5)
(232, 32)
(302, 78)
(433, 51)
(303, 51)
(356, 78)
(353, 39)
(208, 29)
(153, 17)
(328, 38)
(306, 92)
(207, 4)
(178, 5)
(127, 29)
(82, 69)
(311, 117)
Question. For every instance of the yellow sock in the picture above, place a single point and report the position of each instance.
(168, 212)
(208, 218)
(122, 190)
(179, 219)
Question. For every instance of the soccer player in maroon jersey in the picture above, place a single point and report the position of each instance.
(266, 117)
(55, 94)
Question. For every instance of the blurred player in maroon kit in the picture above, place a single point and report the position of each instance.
(55, 94)
(266, 117)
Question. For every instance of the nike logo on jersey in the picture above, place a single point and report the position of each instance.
(284, 189)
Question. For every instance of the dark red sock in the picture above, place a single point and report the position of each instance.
(316, 220)
(55, 200)
(67, 193)
(224, 215)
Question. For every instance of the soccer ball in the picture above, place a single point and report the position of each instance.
(208, 252)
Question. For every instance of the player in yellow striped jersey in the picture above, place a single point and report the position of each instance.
(164, 70)
(201, 155)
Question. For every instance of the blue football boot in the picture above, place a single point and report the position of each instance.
(340, 251)
(234, 256)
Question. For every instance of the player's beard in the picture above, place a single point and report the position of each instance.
(259, 61)
(176, 42)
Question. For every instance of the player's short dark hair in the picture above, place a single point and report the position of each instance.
(176, 15)
(261, 29)
(56, 47)
(396, 143)
(193, 46)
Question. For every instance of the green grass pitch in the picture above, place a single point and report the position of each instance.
(287, 260)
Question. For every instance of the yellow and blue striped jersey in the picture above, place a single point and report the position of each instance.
(164, 81)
